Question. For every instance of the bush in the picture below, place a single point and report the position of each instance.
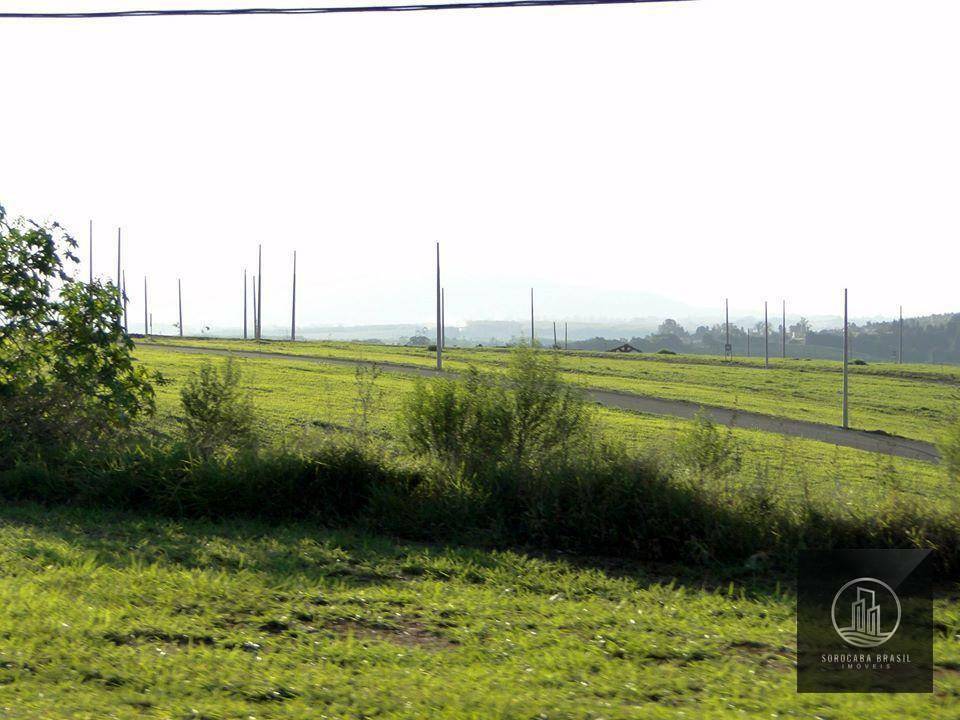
(480, 424)
(67, 377)
(217, 414)
(606, 502)
(708, 453)
(950, 451)
(665, 351)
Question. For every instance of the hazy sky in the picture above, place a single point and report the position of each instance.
(755, 149)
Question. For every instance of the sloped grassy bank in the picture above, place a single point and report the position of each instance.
(622, 507)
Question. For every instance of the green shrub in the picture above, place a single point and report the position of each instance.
(67, 377)
(480, 424)
(950, 451)
(463, 422)
(665, 351)
(601, 503)
(708, 453)
(217, 413)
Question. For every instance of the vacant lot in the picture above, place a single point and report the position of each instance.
(913, 401)
(292, 397)
(130, 617)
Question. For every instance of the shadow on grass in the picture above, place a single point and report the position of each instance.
(308, 552)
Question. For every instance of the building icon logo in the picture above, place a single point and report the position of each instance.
(866, 612)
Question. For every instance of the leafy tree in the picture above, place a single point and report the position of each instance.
(671, 327)
(67, 375)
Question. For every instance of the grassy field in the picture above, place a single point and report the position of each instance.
(913, 401)
(130, 617)
(292, 397)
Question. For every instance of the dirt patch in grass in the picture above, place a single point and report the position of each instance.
(156, 636)
(774, 657)
(408, 634)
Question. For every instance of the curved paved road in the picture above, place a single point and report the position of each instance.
(859, 439)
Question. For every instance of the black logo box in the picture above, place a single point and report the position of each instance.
(848, 603)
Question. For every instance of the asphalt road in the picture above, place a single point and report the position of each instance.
(859, 439)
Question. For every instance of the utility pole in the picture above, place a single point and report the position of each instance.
(533, 336)
(900, 351)
(555, 346)
(748, 342)
(439, 315)
(180, 305)
(119, 292)
(244, 303)
(293, 316)
(783, 332)
(766, 336)
(846, 357)
(124, 295)
(259, 292)
(727, 348)
(256, 317)
(146, 317)
(151, 323)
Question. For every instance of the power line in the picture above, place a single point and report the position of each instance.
(188, 12)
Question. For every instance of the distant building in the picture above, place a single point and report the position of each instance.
(625, 348)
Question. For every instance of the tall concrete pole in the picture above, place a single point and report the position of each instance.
(564, 335)
(293, 316)
(846, 357)
(533, 335)
(146, 317)
(259, 292)
(766, 336)
(180, 305)
(439, 315)
(900, 351)
(244, 303)
(555, 346)
(119, 293)
(727, 348)
(256, 316)
(783, 332)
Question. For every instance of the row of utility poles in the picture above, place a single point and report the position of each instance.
(121, 284)
(257, 294)
(728, 347)
(845, 388)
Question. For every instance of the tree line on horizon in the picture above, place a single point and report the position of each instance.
(928, 339)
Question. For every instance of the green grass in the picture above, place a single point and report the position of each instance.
(913, 401)
(292, 396)
(129, 617)
(108, 614)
